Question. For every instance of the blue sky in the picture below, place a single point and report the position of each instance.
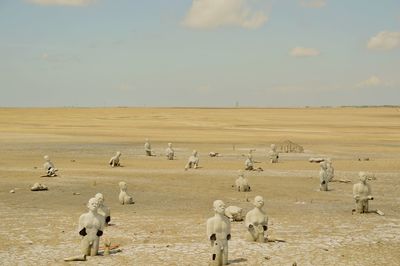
(199, 53)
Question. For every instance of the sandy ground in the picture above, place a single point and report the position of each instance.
(166, 225)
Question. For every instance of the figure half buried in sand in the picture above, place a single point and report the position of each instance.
(257, 221)
(193, 161)
(249, 164)
(169, 152)
(242, 184)
(218, 233)
(123, 197)
(49, 167)
(147, 148)
(91, 226)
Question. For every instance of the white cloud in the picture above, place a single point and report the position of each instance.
(304, 52)
(373, 81)
(384, 40)
(62, 2)
(208, 14)
(313, 3)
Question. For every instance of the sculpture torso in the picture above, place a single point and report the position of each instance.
(256, 217)
(92, 222)
(220, 226)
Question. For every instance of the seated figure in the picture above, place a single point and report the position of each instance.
(257, 221)
(249, 164)
(218, 233)
(273, 154)
(49, 167)
(193, 161)
(124, 198)
(103, 210)
(91, 226)
(362, 193)
(242, 184)
(323, 177)
(114, 161)
(169, 152)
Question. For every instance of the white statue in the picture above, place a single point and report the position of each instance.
(49, 167)
(273, 154)
(103, 210)
(147, 148)
(124, 198)
(169, 152)
(193, 161)
(38, 187)
(114, 161)
(323, 177)
(219, 232)
(257, 221)
(362, 193)
(234, 213)
(330, 170)
(91, 226)
(249, 164)
(242, 184)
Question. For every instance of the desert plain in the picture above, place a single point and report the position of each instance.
(167, 223)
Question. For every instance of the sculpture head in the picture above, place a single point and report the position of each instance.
(219, 207)
(100, 198)
(328, 160)
(93, 204)
(363, 177)
(147, 140)
(323, 165)
(118, 153)
(273, 147)
(170, 145)
(259, 201)
(194, 153)
(123, 186)
(46, 158)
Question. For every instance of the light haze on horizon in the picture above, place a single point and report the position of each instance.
(203, 53)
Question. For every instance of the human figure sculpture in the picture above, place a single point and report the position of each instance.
(169, 152)
(330, 170)
(249, 164)
(242, 184)
(193, 161)
(362, 193)
(114, 161)
(234, 213)
(49, 167)
(124, 198)
(273, 154)
(91, 226)
(219, 232)
(323, 177)
(257, 221)
(147, 148)
(103, 210)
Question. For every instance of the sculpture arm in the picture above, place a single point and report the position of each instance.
(356, 194)
(81, 226)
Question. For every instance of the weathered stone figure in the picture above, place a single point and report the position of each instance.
(249, 163)
(169, 152)
(362, 193)
(273, 154)
(91, 225)
(330, 170)
(147, 148)
(234, 213)
(257, 221)
(103, 210)
(219, 232)
(323, 177)
(242, 184)
(124, 198)
(114, 161)
(49, 167)
(193, 161)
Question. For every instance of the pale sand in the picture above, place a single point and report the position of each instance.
(40, 228)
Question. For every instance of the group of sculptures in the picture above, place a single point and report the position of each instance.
(92, 223)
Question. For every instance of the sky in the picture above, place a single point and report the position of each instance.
(200, 53)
